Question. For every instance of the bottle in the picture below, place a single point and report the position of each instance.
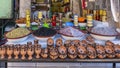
(60, 20)
(104, 16)
(54, 21)
(101, 14)
(94, 14)
(97, 13)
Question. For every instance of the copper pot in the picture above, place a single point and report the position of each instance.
(44, 53)
(53, 53)
(30, 52)
(62, 52)
(59, 42)
(2, 52)
(23, 52)
(72, 52)
(67, 43)
(38, 51)
(16, 51)
(117, 50)
(110, 52)
(82, 52)
(10, 51)
(100, 51)
(50, 43)
(76, 42)
(91, 52)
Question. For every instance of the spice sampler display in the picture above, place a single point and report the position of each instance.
(72, 49)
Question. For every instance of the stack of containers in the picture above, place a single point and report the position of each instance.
(75, 20)
(90, 20)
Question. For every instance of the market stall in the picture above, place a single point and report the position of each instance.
(47, 33)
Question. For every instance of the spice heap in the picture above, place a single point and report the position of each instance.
(18, 32)
(70, 31)
(45, 32)
(104, 31)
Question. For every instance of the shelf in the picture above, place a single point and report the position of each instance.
(66, 60)
(40, 4)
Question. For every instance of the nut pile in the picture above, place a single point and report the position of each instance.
(71, 49)
(17, 33)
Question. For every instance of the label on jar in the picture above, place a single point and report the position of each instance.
(75, 20)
